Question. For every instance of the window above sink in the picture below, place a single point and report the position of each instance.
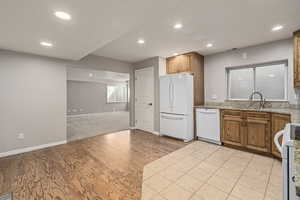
(270, 79)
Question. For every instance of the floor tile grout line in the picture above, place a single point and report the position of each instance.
(158, 172)
(266, 189)
(192, 169)
(230, 193)
(159, 193)
(206, 182)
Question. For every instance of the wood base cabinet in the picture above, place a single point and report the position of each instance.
(257, 132)
(278, 123)
(232, 128)
(252, 131)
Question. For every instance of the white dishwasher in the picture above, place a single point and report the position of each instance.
(208, 125)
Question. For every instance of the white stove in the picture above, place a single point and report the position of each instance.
(287, 153)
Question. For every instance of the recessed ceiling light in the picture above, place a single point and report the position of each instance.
(209, 45)
(46, 44)
(141, 41)
(175, 54)
(178, 26)
(63, 15)
(277, 28)
(91, 74)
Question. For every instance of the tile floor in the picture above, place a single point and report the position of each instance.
(203, 171)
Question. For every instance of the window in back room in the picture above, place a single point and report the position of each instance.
(117, 93)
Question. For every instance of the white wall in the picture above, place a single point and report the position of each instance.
(33, 100)
(214, 67)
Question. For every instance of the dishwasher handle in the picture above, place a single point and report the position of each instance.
(207, 111)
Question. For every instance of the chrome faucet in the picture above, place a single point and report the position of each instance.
(261, 102)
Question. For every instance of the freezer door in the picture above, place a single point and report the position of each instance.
(165, 94)
(174, 125)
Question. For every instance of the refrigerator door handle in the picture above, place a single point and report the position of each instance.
(172, 89)
(170, 93)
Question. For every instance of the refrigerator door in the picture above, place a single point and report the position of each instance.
(182, 94)
(165, 94)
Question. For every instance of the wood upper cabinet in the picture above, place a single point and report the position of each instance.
(257, 131)
(179, 64)
(297, 59)
(278, 123)
(232, 128)
(190, 63)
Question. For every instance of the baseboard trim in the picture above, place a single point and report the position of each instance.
(155, 133)
(28, 149)
(132, 127)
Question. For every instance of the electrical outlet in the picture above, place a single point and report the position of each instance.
(21, 136)
(214, 97)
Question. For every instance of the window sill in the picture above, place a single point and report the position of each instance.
(255, 100)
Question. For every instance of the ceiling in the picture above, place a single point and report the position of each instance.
(111, 28)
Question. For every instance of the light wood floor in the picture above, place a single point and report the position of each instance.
(99, 168)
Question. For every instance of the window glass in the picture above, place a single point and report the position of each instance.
(270, 81)
(117, 93)
(241, 83)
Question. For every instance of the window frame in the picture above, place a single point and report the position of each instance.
(254, 67)
(117, 102)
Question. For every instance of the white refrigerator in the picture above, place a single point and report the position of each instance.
(176, 106)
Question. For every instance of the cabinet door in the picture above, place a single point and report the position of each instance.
(178, 64)
(232, 130)
(257, 134)
(171, 65)
(297, 59)
(184, 63)
(278, 123)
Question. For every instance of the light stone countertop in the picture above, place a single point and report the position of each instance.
(295, 118)
(295, 113)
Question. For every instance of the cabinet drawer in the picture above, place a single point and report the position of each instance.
(231, 113)
(258, 115)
